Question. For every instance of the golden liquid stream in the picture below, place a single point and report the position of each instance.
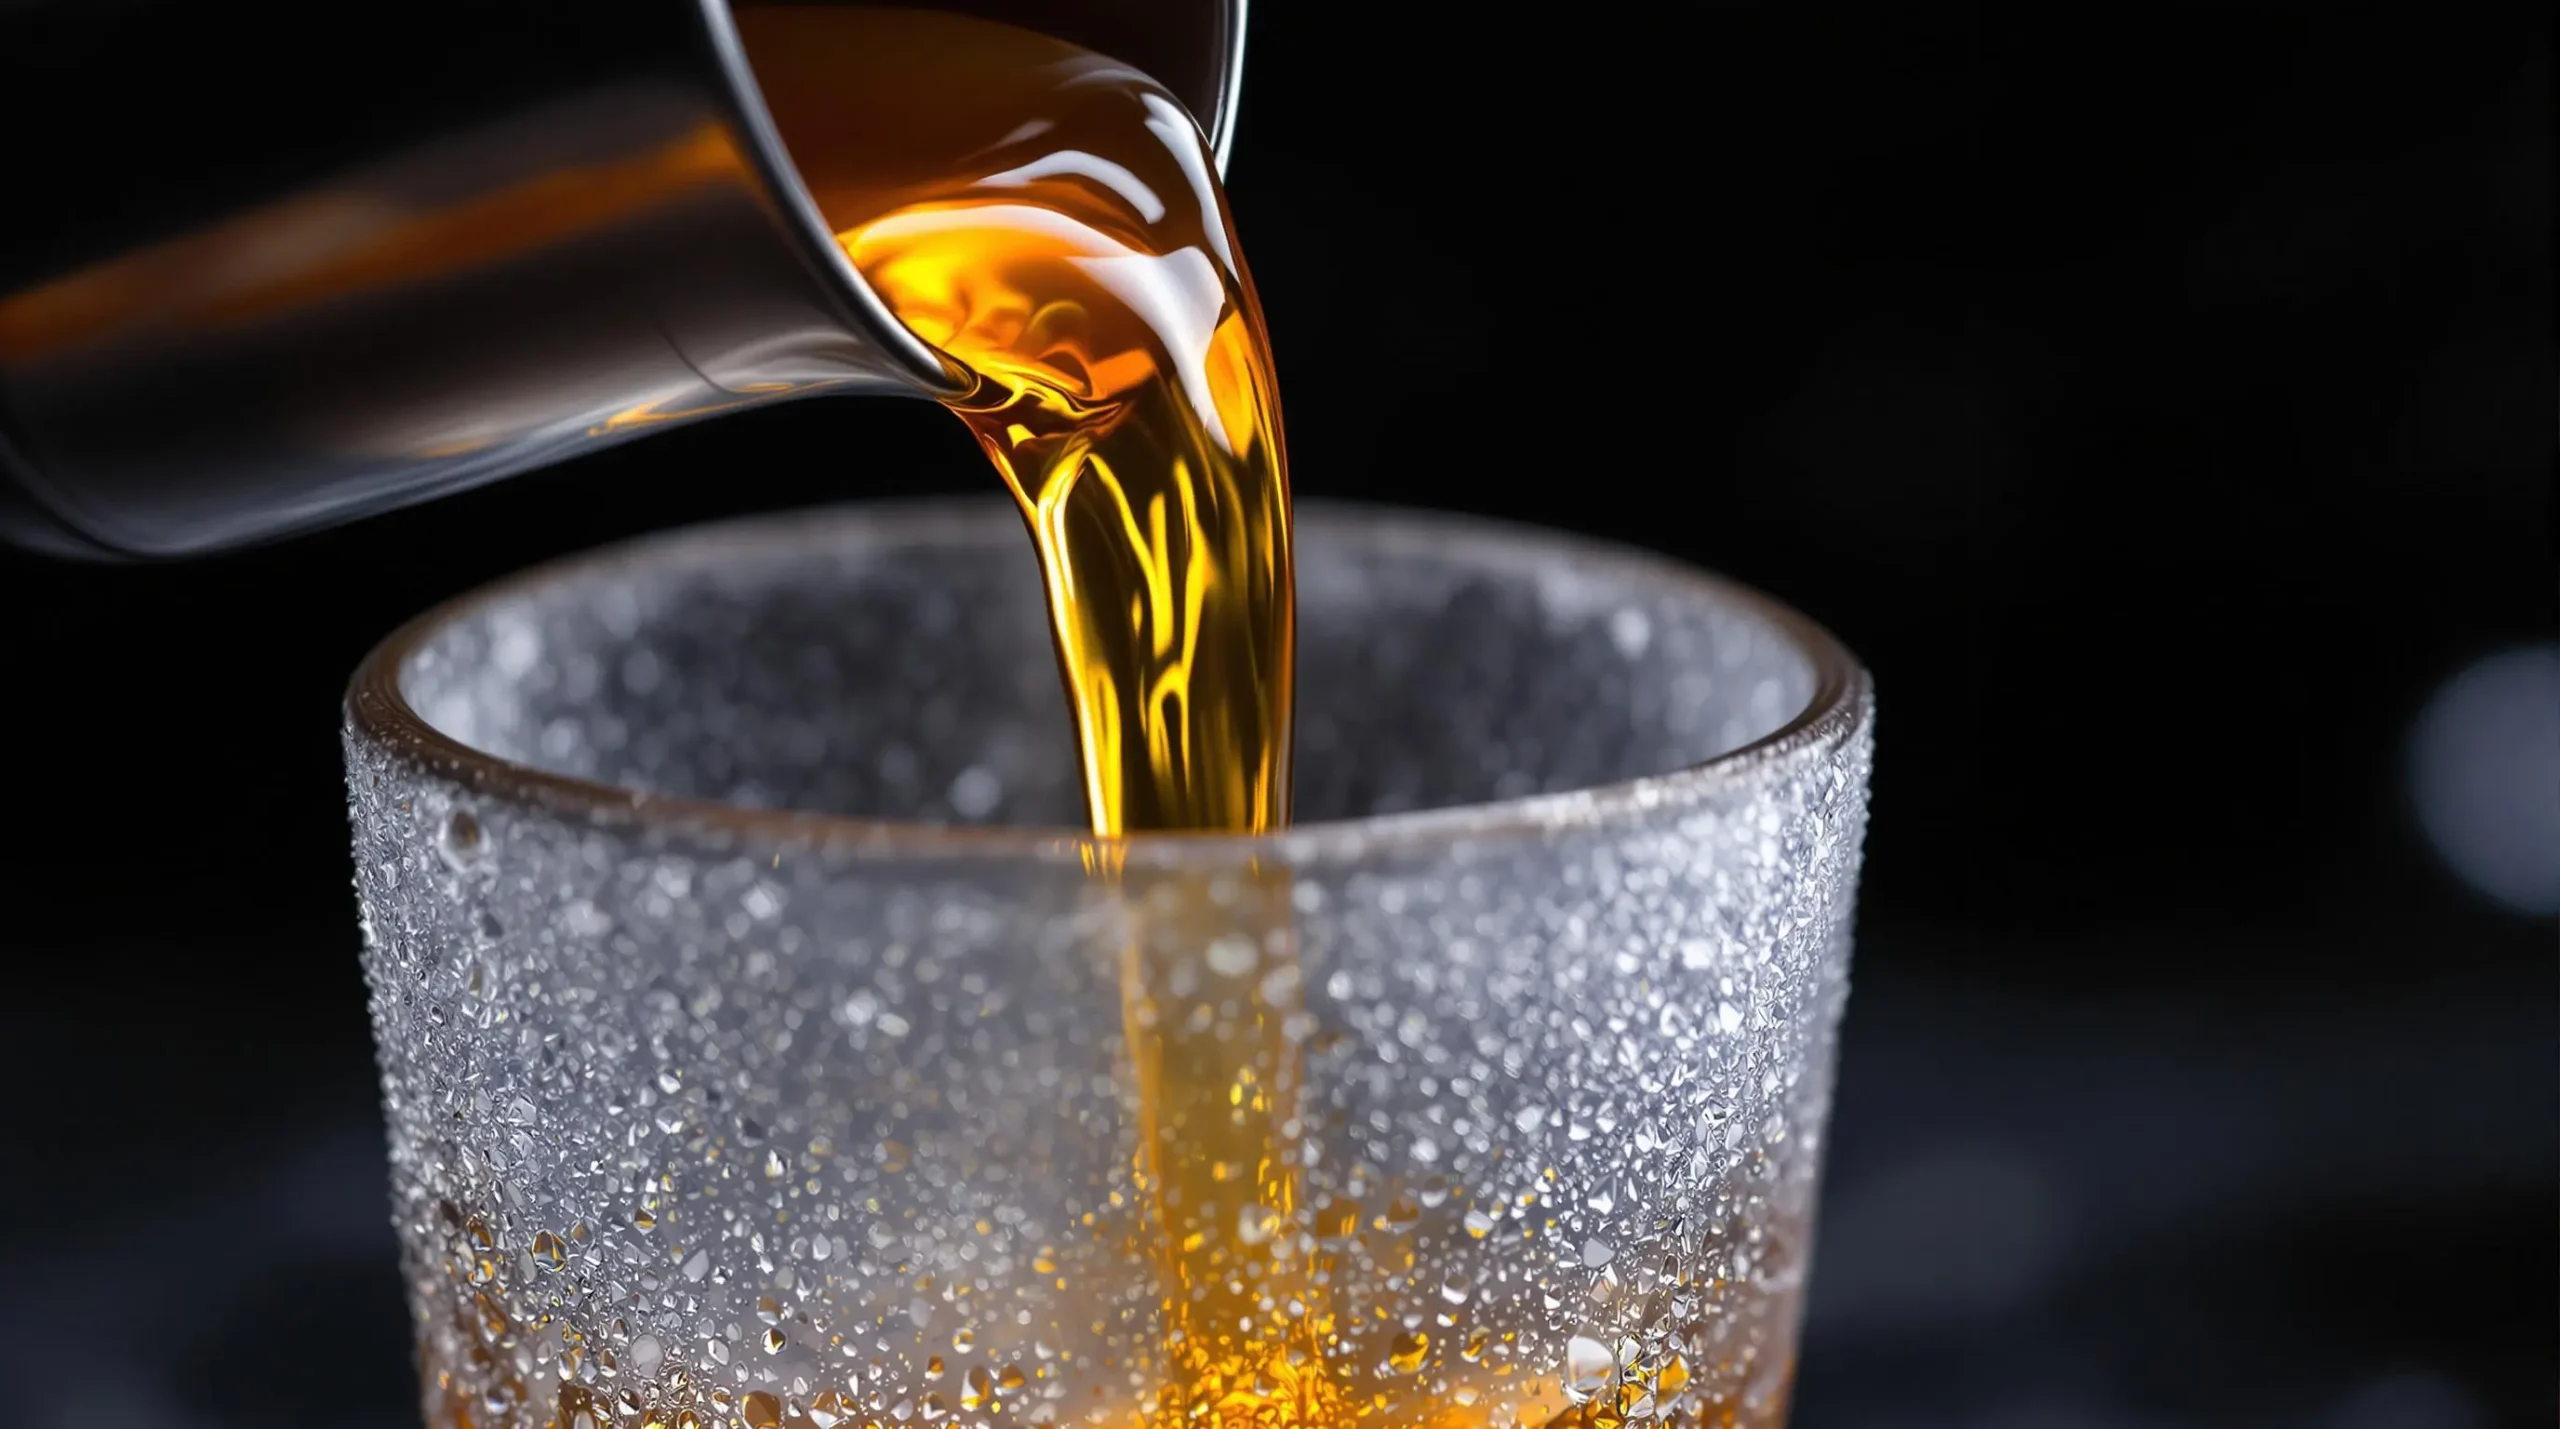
(1051, 222)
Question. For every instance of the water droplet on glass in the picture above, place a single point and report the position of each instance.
(1588, 1367)
(1631, 630)
(1337, 1222)
(1232, 956)
(976, 792)
(581, 918)
(1670, 1383)
(462, 843)
(1400, 1215)
(1406, 1354)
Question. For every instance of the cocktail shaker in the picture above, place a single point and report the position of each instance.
(277, 266)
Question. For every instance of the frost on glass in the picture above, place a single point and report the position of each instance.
(753, 1123)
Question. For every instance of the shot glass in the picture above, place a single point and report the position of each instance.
(762, 1044)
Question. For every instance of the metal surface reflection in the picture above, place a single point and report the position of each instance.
(371, 263)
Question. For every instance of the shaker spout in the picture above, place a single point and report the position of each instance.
(361, 275)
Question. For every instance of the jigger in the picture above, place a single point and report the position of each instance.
(273, 268)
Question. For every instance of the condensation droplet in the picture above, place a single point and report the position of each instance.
(1406, 1354)
(1631, 630)
(1401, 1214)
(1253, 1224)
(1588, 1367)
(976, 792)
(462, 841)
(1670, 1383)
(1232, 956)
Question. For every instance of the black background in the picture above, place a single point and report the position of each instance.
(2158, 398)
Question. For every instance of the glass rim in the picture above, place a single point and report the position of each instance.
(378, 712)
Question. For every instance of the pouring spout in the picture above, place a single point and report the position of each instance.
(451, 260)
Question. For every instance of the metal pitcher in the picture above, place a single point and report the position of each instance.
(272, 267)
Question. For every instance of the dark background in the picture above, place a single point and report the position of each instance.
(2159, 399)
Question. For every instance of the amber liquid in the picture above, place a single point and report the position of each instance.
(1050, 221)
